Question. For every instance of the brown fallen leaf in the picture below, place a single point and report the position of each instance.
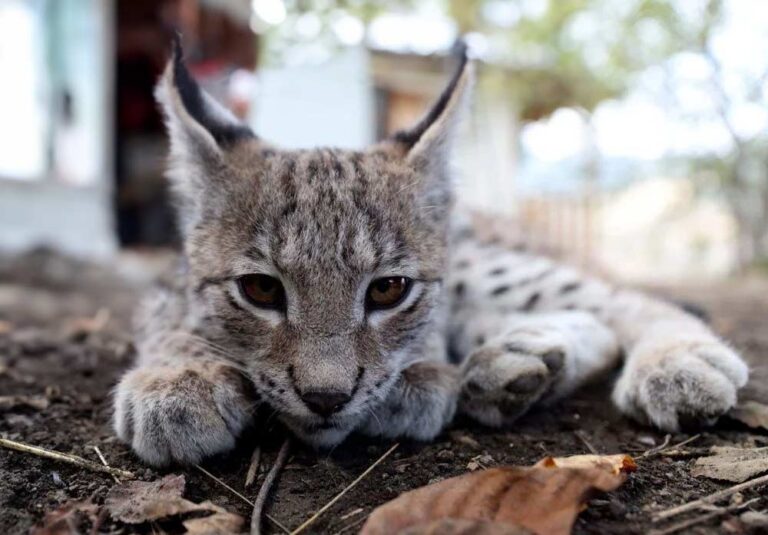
(616, 464)
(65, 519)
(751, 413)
(136, 502)
(543, 499)
(732, 464)
(216, 524)
(454, 526)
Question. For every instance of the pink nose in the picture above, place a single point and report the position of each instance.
(325, 403)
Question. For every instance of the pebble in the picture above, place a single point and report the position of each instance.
(754, 519)
(57, 480)
(646, 440)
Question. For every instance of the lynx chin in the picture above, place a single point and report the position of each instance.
(341, 289)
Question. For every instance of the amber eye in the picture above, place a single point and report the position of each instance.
(387, 292)
(262, 290)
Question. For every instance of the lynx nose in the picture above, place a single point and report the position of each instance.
(325, 403)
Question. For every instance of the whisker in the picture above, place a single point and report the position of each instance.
(375, 416)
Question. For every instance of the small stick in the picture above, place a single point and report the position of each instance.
(352, 513)
(664, 449)
(703, 518)
(283, 528)
(684, 508)
(686, 441)
(104, 462)
(586, 442)
(336, 498)
(65, 458)
(266, 486)
(684, 454)
(656, 449)
(250, 477)
(351, 525)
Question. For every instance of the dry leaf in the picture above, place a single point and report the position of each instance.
(479, 461)
(751, 413)
(452, 526)
(65, 519)
(139, 501)
(215, 524)
(613, 463)
(732, 464)
(545, 498)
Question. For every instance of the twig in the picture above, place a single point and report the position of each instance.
(352, 513)
(703, 518)
(656, 449)
(250, 477)
(104, 462)
(65, 458)
(664, 449)
(266, 486)
(684, 508)
(686, 441)
(684, 454)
(351, 525)
(583, 437)
(277, 523)
(336, 498)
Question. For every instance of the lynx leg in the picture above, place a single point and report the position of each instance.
(183, 412)
(678, 373)
(182, 402)
(523, 359)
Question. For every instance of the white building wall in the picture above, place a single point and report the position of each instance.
(328, 104)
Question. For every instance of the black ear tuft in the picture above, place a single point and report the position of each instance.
(223, 131)
(411, 136)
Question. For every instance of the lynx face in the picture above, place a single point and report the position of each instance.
(317, 272)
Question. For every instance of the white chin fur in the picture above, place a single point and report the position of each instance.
(319, 438)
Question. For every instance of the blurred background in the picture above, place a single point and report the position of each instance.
(630, 135)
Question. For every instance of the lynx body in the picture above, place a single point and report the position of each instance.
(340, 288)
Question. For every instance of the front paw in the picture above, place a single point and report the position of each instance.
(419, 406)
(683, 384)
(181, 413)
(502, 380)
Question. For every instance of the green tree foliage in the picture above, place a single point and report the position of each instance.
(549, 54)
(557, 53)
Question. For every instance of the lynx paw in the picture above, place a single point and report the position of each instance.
(681, 385)
(502, 381)
(181, 414)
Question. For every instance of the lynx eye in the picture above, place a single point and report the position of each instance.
(262, 290)
(387, 292)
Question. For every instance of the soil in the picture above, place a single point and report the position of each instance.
(53, 352)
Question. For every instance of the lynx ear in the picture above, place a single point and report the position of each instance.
(193, 117)
(427, 146)
(200, 131)
(429, 141)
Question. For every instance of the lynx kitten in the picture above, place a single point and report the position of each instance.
(339, 288)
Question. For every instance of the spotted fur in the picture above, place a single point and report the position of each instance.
(485, 330)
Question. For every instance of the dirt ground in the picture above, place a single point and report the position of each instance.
(56, 372)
